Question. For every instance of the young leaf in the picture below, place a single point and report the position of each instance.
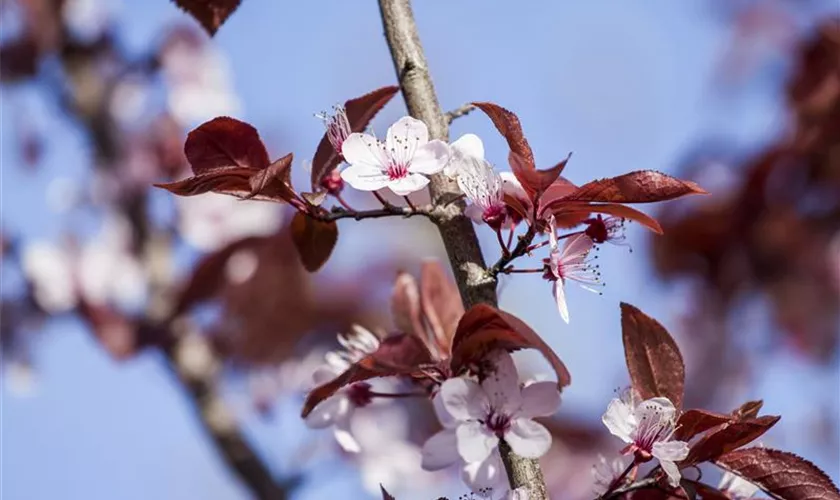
(314, 240)
(749, 409)
(653, 358)
(693, 422)
(274, 181)
(507, 123)
(210, 13)
(782, 475)
(484, 329)
(727, 437)
(572, 213)
(644, 186)
(441, 303)
(399, 354)
(360, 111)
(385, 494)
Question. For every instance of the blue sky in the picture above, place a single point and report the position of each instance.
(622, 86)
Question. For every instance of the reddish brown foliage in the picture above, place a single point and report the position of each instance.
(782, 475)
(210, 13)
(653, 358)
(727, 437)
(314, 240)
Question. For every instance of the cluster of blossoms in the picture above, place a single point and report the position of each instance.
(403, 162)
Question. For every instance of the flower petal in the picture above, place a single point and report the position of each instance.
(408, 184)
(343, 435)
(475, 441)
(430, 158)
(502, 385)
(655, 410)
(406, 127)
(527, 438)
(670, 451)
(329, 411)
(489, 473)
(440, 451)
(365, 178)
(364, 150)
(619, 420)
(560, 299)
(469, 145)
(464, 399)
(475, 213)
(673, 472)
(539, 399)
(444, 417)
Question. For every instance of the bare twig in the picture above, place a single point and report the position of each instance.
(458, 112)
(520, 250)
(638, 485)
(378, 213)
(456, 230)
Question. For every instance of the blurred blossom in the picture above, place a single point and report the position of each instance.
(736, 487)
(63, 194)
(49, 268)
(211, 220)
(88, 19)
(108, 271)
(197, 76)
(241, 266)
(605, 472)
(129, 100)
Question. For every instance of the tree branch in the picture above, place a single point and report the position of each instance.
(638, 485)
(389, 211)
(459, 112)
(456, 230)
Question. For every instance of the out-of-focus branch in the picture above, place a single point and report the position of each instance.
(459, 112)
(638, 485)
(474, 283)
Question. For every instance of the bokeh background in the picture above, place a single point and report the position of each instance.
(97, 96)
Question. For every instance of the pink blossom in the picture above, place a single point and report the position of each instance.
(467, 147)
(602, 230)
(648, 428)
(401, 163)
(483, 188)
(477, 416)
(338, 126)
(337, 410)
(569, 264)
(606, 473)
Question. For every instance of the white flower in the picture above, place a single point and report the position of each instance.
(648, 428)
(737, 487)
(476, 416)
(401, 163)
(483, 187)
(467, 147)
(569, 264)
(605, 473)
(211, 221)
(49, 268)
(337, 410)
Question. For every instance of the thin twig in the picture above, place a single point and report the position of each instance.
(520, 250)
(378, 213)
(638, 485)
(458, 112)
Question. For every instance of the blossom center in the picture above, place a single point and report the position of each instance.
(397, 170)
(497, 423)
(360, 394)
(494, 215)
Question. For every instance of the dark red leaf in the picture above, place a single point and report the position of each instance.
(782, 475)
(399, 354)
(535, 182)
(727, 437)
(653, 358)
(749, 409)
(314, 240)
(507, 123)
(210, 13)
(360, 111)
(441, 303)
(693, 422)
(274, 181)
(385, 494)
(225, 142)
(484, 329)
(644, 186)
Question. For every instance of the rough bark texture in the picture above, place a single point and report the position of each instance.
(456, 230)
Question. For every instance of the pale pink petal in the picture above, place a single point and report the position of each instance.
(364, 150)
(539, 399)
(673, 472)
(343, 435)
(475, 441)
(655, 410)
(560, 299)
(736, 486)
(329, 411)
(527, 438)
(444, 417)
(440, 451)
(576, 248)
(430, 158)
(323, 374)
(552, 233)
(475, 213)
(502, 384)
(619, 420)
(512, 186)
(469, 145)
(408, 184)
(406, 128)
(463, 399)
(365, 178)
(670, 451)
(489, 473)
